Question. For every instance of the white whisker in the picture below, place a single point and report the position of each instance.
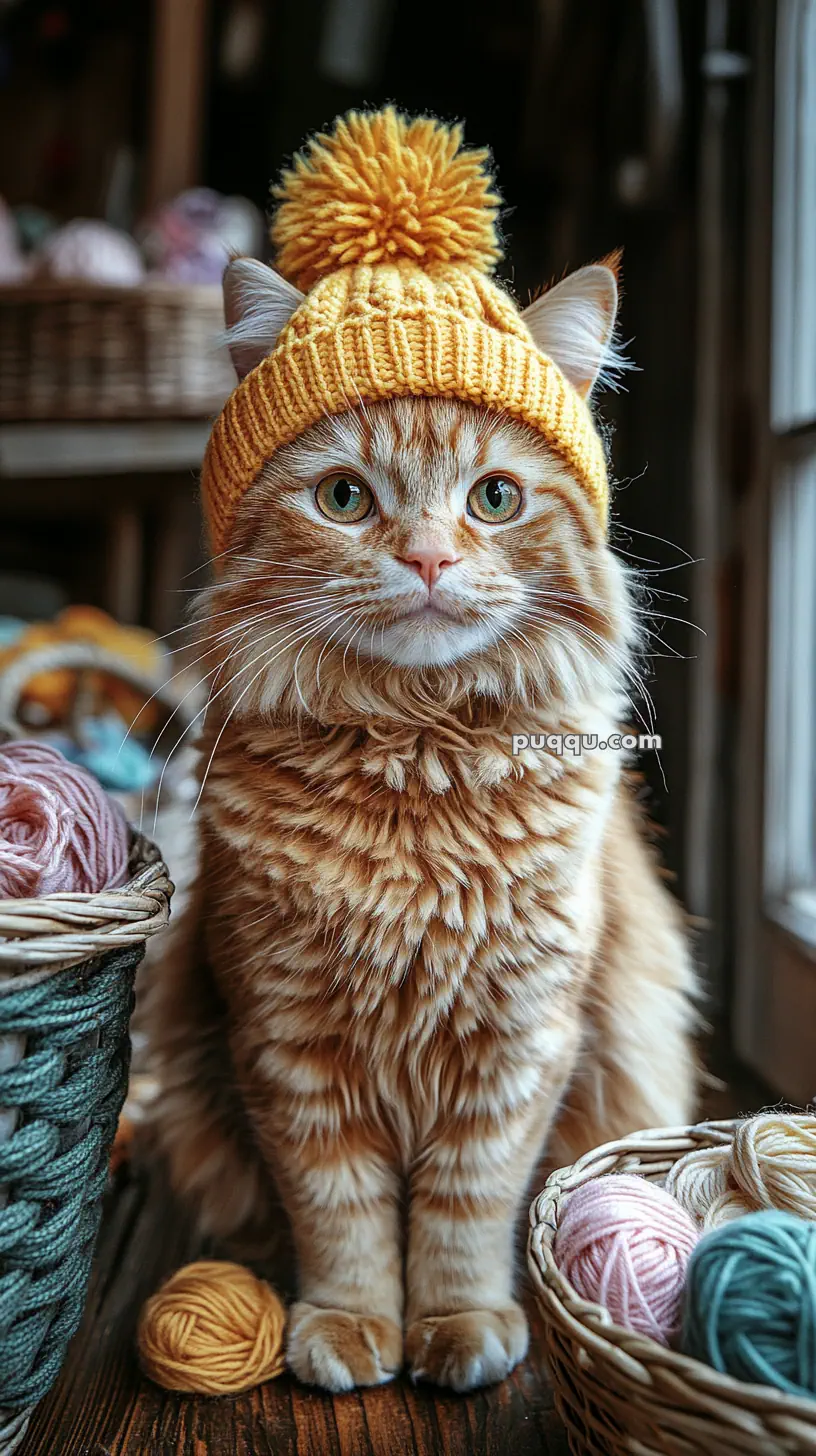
(314, 628)
(203, 711)
(663, 541)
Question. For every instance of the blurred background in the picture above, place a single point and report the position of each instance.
(138, 144)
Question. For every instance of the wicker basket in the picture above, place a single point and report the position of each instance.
(81, 352)
(67, 964)
(621, 1393)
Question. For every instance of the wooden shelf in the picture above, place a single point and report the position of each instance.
(43, 449)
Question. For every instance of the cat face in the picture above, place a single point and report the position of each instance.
(426, 539)
(419, 549)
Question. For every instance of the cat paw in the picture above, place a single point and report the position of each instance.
(338, 1349)
(465, 1350)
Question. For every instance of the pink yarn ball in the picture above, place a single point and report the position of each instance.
(624, 1243)
(59, 830)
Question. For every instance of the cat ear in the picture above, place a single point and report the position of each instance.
(574, 325)
(258, 303)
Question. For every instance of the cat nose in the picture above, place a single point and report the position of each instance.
(429, 561)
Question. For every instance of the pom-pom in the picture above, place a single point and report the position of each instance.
(750, 1308)
(212, 1329)
(58, 828)
(380, 187)
(625, 1244)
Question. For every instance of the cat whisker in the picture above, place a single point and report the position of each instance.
(649, 536)
(290, 640)
(242, 628)
(670, 651)
(621, 551)
(667, 617)
(521, 636)
(656, 591)
(327, 644)
(357, 652)
(186, 667)
(265, 609)
(297, 660)
(230, 551)
(311, 632)
(628, 670)
(202, 714)
(676, 566)
(332, 581)
(348, 644)
(625, 665)
(292, 563)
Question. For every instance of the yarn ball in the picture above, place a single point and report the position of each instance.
(92, 251)
(212, 1329)
(624, 1243)
(11, 630)
(750, 1306)
(702, 1182)
(13, 266)
(58, 828)
(105, 748)
(774, 1163)
(771, 1163)
(192, 238)
(34, 225)
(382, 186)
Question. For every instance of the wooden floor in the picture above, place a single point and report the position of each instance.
(102, 1406)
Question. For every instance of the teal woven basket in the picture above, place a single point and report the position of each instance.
(67, 967)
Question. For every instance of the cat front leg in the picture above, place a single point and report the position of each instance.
(346, 1328)
(464, 1328)
(338, 1184)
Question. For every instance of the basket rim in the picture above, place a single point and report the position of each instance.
(651, 1152)
(79, 656)
(41, 936)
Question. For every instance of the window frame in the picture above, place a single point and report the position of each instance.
(774, 993)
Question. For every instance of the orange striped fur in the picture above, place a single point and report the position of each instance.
(415, 958)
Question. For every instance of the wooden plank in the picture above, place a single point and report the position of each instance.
(174, 541)
(103, 1406)
(29, 451)
(179, 66)
(124, 564)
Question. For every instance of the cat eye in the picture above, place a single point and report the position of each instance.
(341, 497)
(494, 499)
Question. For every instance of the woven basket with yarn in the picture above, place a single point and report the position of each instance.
(620, 1393)
(67, 965)
(84, 351)
(167, 812)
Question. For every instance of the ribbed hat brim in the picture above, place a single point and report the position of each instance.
(379, 357)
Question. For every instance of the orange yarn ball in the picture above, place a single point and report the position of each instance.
(212, 1329)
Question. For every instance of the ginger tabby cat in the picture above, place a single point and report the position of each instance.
(415, 959)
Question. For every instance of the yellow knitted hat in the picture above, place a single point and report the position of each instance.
(390, 228)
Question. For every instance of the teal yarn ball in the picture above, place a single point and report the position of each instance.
(750, 1301)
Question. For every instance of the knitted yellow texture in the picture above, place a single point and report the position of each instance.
(382, 186)
(391, 226)
(212, 1329)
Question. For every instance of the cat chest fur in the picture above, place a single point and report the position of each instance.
(338, 879)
